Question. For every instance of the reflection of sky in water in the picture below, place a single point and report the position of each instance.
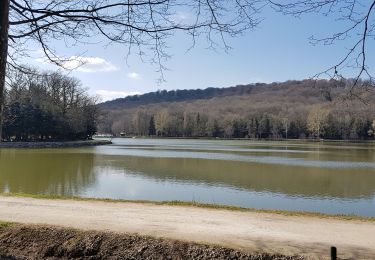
(237, 157)
(230, 144)
(131, 186)
(214, 148)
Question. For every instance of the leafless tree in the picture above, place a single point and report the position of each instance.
(357, 20)
(143, 25)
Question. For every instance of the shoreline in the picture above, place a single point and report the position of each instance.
(239, 230)
(306, 140)
(57, 144)
(178, 203)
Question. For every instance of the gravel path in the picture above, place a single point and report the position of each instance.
(248, 231)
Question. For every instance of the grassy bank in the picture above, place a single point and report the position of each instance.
(57, 144)
(198, 205)
(5, 224)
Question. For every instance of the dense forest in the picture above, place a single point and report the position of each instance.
(293, 109)
(47, 106)
(177, 96)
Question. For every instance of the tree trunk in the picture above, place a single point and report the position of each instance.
(4, 25)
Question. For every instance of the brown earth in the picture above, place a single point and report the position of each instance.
(42, 242)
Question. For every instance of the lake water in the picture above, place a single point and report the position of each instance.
(336, 178)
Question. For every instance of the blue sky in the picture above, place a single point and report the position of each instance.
(278, 50)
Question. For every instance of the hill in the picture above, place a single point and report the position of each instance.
(177, 96)
(295, 109)
(161, 96)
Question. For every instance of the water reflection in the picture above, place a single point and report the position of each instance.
(327, 178)
(289, 180)
(45, 171)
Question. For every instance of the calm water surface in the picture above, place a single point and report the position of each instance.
(334, 178)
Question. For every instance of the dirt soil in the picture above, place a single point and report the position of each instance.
(245, 231)
(38, 242)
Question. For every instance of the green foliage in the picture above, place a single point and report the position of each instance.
(5, 224)
(47, 107)
(151, 128)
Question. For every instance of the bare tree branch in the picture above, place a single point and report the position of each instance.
(358, 20)
(144, 25)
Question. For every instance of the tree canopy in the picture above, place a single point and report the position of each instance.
(47, 106)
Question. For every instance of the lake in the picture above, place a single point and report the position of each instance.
(329, 177)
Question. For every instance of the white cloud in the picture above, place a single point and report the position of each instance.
(134, 75)
(179, 17)
(110, 95)
(85, 64)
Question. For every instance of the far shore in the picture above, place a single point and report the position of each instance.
(54, 144)
(305, 140)
(247, 231)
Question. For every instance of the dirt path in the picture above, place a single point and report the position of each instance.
(247, 231)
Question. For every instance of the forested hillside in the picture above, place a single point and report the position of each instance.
(178, 95)
(292, 109)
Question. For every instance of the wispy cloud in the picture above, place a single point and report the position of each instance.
(85, 64)
(133, 75)
(179, 17)
(107, 95)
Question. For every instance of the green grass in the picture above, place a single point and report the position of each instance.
(5, 224)
(197, 205)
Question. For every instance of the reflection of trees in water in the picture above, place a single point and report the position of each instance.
(45, 171)
(69, 172)
(289, 180)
